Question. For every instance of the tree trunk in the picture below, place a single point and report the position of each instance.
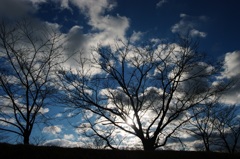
(148, 144)
(26, 137)
(206, 144)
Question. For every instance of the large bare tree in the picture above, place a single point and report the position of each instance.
(144, 92)
(29, 52)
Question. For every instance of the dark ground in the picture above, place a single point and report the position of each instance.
(33, 152)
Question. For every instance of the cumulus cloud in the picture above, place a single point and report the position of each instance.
(94, 8)
(75, 35)
(76, 41)
(111, 29)
(52, 130)
(188, 25)
(194, 79)
(107, 28)
(231, 65)
(231, 72)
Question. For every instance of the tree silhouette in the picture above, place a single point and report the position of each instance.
(28, 56)
(146, 92)
(202, 125)
(227, 124)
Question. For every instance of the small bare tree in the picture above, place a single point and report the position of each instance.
(146, 92)
(227, 124)
(201, 126)
(28, 57)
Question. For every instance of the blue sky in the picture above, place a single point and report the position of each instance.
(215, 23)
(156, 18)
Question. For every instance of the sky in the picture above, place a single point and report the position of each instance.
(217, 20)
(215, 23)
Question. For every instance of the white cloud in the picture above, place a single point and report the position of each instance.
(58, 115)
(182, 15)
(197, 33)
(195, 82)
(231, 72)
(68, 137)
(104, 29)
(107, 28)
(188, 25)
(69, 115)
(111, 29)
(160, 3)
(231, 65)
(63, 143)
(136, 36)
(52, 130)
(155, 40)
(93, 8)
(44, 110)
(64, 3)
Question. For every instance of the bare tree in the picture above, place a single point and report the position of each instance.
(101, 139)
(201, 126)
(28, 57)
(145, 92)
(228, 127)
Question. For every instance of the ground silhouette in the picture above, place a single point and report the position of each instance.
(8, 151)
